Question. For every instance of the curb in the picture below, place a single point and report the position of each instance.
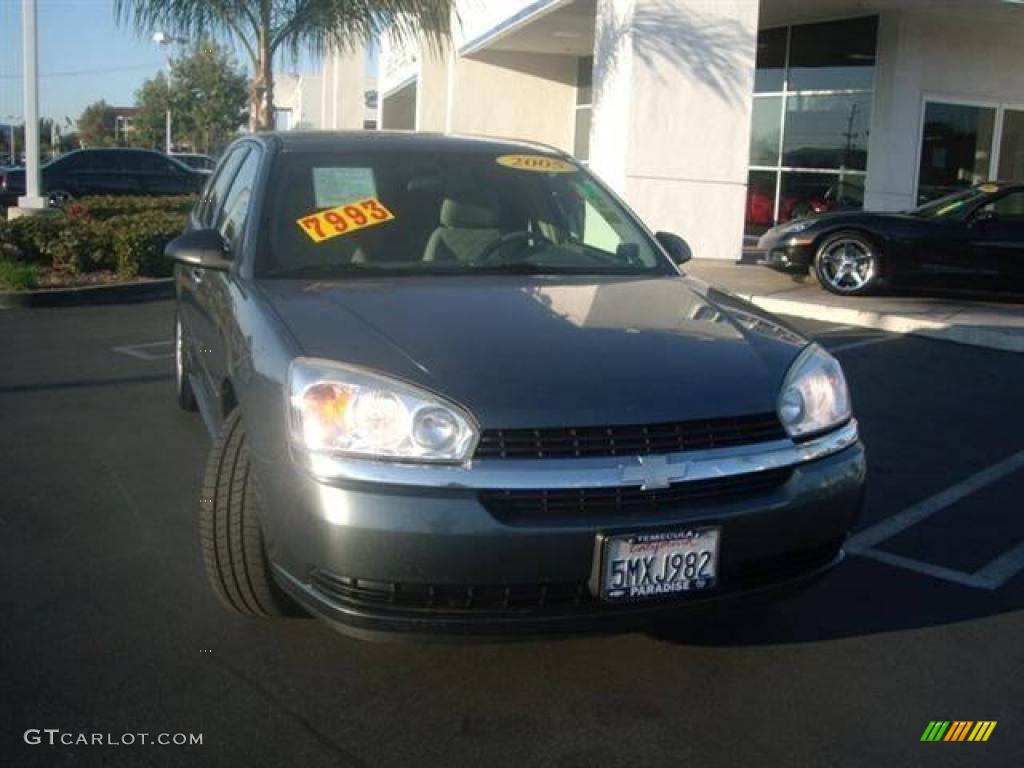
(970, 335)
(121, 293)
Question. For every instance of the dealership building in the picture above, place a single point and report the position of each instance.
(717, 118)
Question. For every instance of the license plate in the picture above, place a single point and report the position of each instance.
(648, 565)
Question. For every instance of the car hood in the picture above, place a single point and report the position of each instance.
(543, 352)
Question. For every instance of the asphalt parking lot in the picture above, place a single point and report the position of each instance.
(107, 624)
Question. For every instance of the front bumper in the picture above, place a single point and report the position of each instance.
(374, 558)
(787, 253)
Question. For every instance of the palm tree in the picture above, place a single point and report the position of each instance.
(265, 27)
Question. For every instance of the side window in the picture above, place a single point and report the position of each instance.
(217, 187)
(72, 162)
(149, 163)
(232, 215)
(1009, 206)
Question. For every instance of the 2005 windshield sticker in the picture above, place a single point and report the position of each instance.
(345, 219)
(536, 163)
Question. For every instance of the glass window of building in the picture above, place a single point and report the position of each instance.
(956, 148)
(813, 91)
(584, 101)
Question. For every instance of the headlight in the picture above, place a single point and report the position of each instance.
(349, 411)
(814, 396)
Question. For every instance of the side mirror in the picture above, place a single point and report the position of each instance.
(676, 248)
(199, 248)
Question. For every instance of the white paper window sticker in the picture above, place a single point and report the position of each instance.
(336, 186)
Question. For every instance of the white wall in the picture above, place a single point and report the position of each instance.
(398, 110)
(515, 95)
(342, 91)
(672, 106)
(480, 18)
(954, 57)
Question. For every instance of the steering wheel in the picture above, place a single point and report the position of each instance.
(536, 240)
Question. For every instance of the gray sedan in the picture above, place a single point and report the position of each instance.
(458, 387)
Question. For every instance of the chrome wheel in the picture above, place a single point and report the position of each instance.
(847, 265)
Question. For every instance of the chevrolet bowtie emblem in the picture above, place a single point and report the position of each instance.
(653, 472)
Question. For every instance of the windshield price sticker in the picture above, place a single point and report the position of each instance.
(345, 219)
(536, 163)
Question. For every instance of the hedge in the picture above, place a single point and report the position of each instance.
(126, 235)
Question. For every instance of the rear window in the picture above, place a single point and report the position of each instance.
(468, 212)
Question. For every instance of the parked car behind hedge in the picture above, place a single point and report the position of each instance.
(105, 172)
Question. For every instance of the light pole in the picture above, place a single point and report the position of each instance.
(31, 200)
(165, 41)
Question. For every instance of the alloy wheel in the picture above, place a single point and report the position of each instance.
(847, 265)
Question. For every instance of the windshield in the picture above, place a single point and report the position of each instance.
(441, 213)
(952, 206)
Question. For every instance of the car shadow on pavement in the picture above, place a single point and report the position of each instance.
(858, 598)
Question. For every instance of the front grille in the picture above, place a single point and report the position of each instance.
(452, 598)
(539, 505)
(550, 598)
(633, 440)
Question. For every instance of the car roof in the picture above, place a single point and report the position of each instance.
(397, 141)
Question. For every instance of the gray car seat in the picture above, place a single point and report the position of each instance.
(467, 226)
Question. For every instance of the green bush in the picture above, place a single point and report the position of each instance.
(122, 234)
(105, 207)
(18, 277)
(139, 239)
(79, 245)
(25, 239)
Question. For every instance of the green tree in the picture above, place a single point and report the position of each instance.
(209, 96)
(265, 28)
(96, 125)
(150, 119)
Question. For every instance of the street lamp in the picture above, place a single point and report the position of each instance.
(165, 41)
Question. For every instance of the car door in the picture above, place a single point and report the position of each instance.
(106, 174)
(196, 330)
(999, 239)
(935, 253)
(213, 289)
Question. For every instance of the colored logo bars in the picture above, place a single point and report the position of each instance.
(958, 730)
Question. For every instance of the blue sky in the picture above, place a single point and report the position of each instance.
(84, 56)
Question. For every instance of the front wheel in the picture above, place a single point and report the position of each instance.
(848, 264)
(230, 531)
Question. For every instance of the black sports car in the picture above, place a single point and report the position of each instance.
(971, 240)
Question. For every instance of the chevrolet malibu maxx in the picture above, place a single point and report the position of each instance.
(458, 387)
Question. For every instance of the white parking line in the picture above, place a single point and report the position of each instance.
(139, 350)
(861, 343)
(991, 576)
(889, 527)
(1003, 568)
(928, 569)
(838, 329)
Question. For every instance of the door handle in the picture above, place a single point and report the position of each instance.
(197, 275)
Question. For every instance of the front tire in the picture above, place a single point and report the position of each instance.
(233, 544)
(848, 264)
